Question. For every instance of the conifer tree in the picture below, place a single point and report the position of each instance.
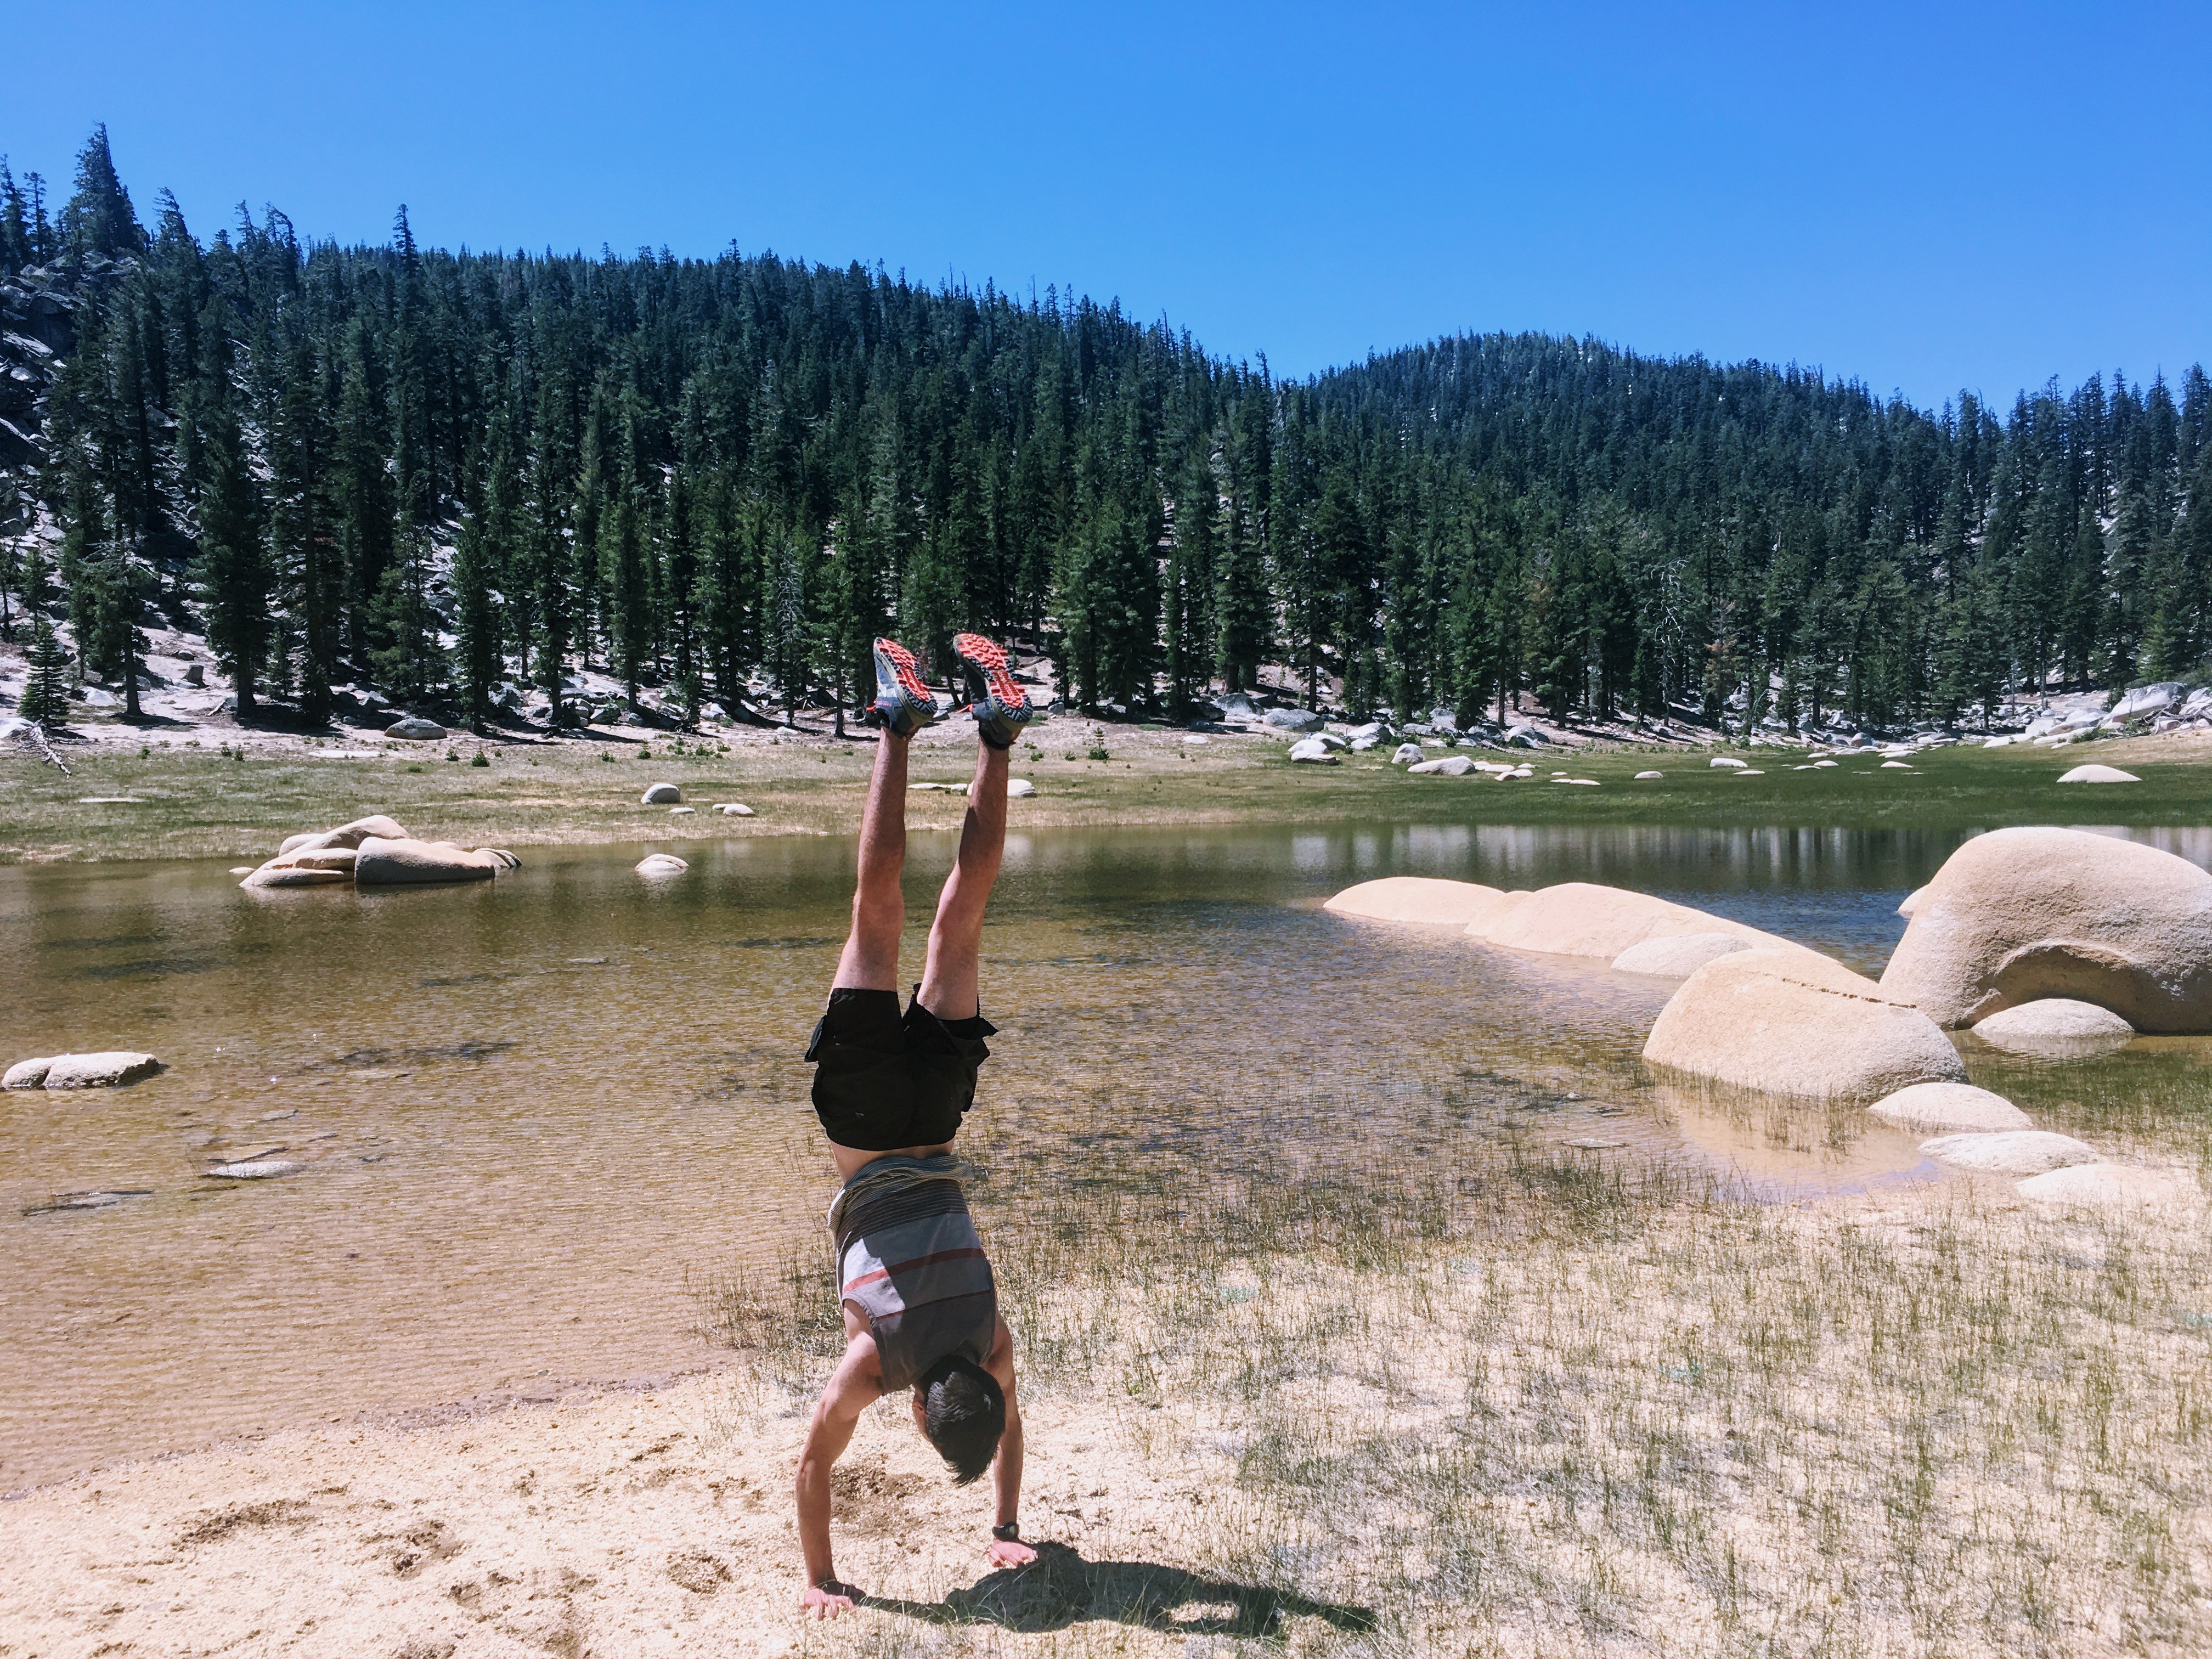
(233, 571)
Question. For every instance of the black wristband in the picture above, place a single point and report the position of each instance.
(1008, 1533)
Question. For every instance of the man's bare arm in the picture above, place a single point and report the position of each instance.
(855, 1385)
(1007, 1473)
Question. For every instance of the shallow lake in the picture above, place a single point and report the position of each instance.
(533, 1115)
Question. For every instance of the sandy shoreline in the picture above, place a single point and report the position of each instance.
(645, 1522)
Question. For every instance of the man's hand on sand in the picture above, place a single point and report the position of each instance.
(829, 1598)
(1011, 1552)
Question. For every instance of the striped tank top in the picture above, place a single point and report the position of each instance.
(909, 1258)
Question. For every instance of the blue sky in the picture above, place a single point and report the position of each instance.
(1925, 197)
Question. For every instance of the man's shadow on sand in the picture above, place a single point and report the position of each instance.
(1061, 1588)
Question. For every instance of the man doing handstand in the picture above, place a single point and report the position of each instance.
(922, 1311)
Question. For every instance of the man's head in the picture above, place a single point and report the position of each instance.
(963, 1411)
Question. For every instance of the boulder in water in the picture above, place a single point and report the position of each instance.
(1791, 1021)
(400, 863)
(2019, 916)
(346, 835)
(2010, 1151)
(661, 864)
(26, 1074)
(2053, 1020)
(111, 1068)
(1424, 899)
(1583, 918)
(1910, 903)
(1954, 1108)
(282, 873)
(1678, 956)
(660, 795)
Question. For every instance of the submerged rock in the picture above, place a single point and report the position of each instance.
(1790, 1022)
(1955, 1107)
(1678, 956)
(660, 864)
(2010, 1151)
(111, 1068)
(260, 1168)
(2021, 915)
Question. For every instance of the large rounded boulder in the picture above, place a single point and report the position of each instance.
(2019, 916)
(382, 863)
(1790, 1022)
(1424, 899)
(1581, 919)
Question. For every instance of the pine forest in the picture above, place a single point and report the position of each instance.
(452, 479)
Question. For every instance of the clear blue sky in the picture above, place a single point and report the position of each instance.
(1923, 197)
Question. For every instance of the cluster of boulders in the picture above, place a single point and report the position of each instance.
(2038, 938)
(373, 852)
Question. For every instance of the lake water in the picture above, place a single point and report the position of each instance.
(532, 1111)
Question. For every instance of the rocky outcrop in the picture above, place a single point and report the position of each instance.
(1955, 1108)
(1581, 919)
(1790, 1022)
(400, 863)
(1424, 899)
(111, 1068)
(2017, 916)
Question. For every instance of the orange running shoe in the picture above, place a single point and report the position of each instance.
(1001, 708)
(903, 704)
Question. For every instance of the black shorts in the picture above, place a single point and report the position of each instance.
(881, 1082)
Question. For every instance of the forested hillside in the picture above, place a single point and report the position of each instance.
(435, 473)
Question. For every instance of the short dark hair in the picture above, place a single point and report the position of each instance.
(964, 1412)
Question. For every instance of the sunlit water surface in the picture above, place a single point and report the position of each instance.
(531, 1112)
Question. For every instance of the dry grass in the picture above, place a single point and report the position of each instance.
(1486, 1398)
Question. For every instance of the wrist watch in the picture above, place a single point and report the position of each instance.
(1009, 1532)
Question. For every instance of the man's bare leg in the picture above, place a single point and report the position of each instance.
(870, 958)
(948, 978)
